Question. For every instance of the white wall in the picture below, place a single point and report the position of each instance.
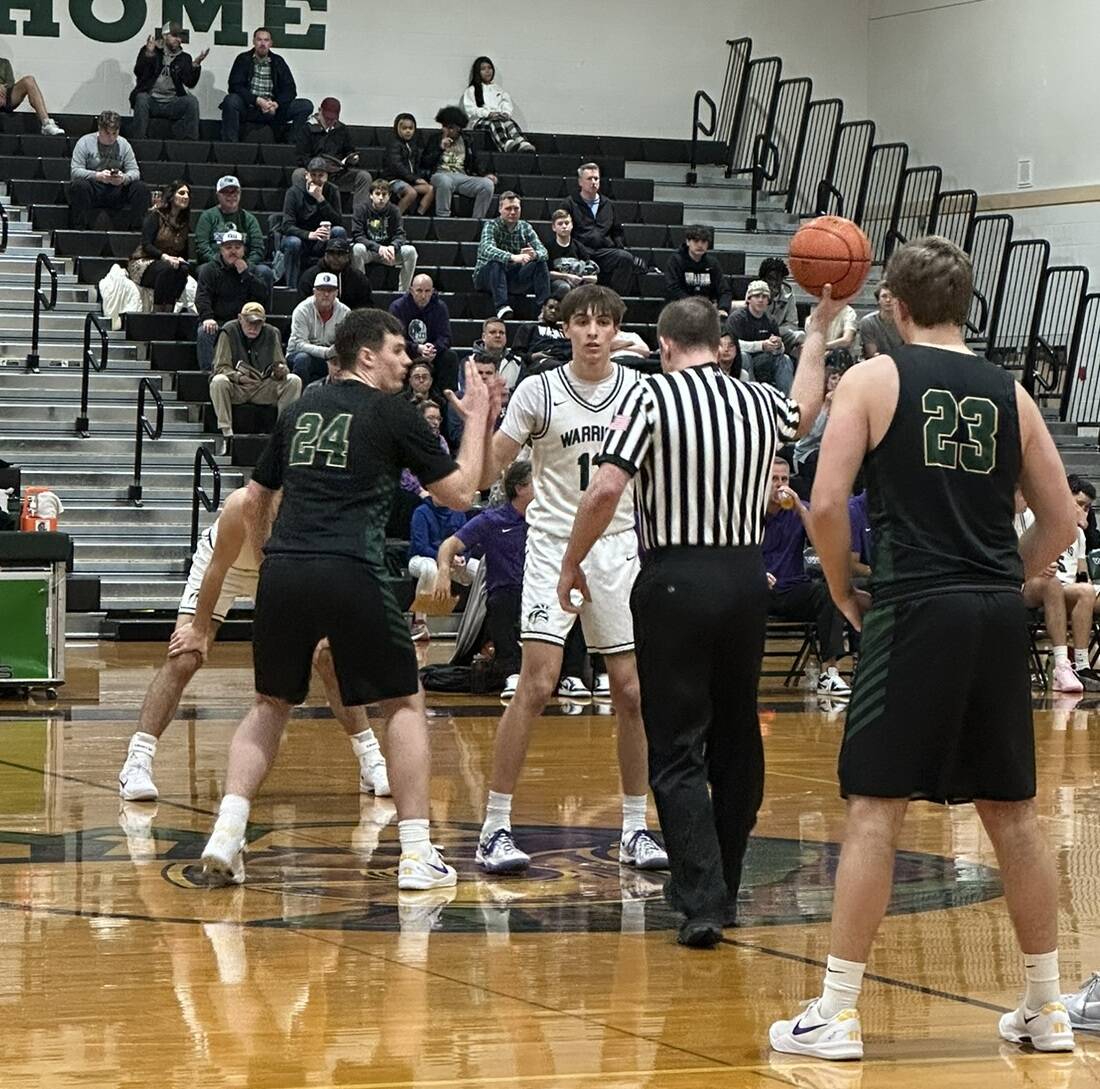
(976, 86)
(613, 66)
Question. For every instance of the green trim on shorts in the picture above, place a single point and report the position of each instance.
(873, 673)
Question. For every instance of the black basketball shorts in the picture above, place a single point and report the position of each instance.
(941, 701)
(301, 600)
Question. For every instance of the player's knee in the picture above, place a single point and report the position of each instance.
(627, 694)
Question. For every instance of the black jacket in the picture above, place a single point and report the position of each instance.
(599, 232)
(433, 154)
(284, 90)
(686, 278)
(353, 290)
(147, 70)
(312, 140)
(222, 291)
(403, 160)
(302, 214)
(378, 228)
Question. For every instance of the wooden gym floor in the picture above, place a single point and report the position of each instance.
(117, 969)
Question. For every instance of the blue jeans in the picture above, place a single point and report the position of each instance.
(501, 280)
(307, 367)
(204, 348)
(296, 249)
(234, 108)
(776, 370)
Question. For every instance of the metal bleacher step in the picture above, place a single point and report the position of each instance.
(115, 449)
(64, 383)
(93, 483)
(29, 412)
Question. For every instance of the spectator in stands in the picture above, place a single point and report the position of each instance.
(325, 136)
(432, 411)
(353, 288)
(489, 106)
(313, 328)
(729, 357)
(403, 167)
(543, 342)
(499, 536)
(432, 524)
(859, 522)
(569, 261)
(378, 234)
(225, 286)
(597, 227)
(493, 345)
(693, 271)
(450, 160)
(842, 332)
(419, 384)
(511, 259)
(427, 321)
(13, 91)
(160, 261)
(228, 215)
(311, 216)
(628, 347)
(262, 91)
(250, 368)
(808, 447)
(105, 176)
(878, 335)
(163, 73)
(793, 594)
(782, 308)
(760, 344)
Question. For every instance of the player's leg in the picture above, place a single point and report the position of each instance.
(1080, 600)
(373, 778)
(135, 778)
(538, 676)
(1030, 882)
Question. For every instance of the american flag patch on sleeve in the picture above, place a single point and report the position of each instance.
(619, 423)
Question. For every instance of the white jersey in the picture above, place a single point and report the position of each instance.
(566, 420)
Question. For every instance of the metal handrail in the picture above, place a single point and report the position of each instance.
(42, 261)
(697, 126)
(762, 147)
(198, 495)
(143, 428)
(825, 188)
(88, 361)
(3, 229)
(979, 329)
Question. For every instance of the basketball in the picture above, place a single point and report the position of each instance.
(830, 250)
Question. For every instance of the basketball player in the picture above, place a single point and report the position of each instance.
(224, 570)
(337, 456)
(564, 414)
(941, 703)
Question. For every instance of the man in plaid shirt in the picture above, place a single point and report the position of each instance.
(511, 259)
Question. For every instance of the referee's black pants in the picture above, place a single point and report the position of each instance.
(699, 619)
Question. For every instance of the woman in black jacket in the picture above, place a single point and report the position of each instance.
(408, 180)
(160, 261)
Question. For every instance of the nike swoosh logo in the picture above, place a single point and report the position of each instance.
(556, 403)
(1028, 1020)
(438, 869)
(800, 1029)
(510, 530)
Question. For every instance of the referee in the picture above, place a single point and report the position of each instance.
(699, 445)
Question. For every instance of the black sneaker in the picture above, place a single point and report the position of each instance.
(1090, 678)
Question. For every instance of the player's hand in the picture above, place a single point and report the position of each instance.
(854, 605)
(474, 402)
(823, 315)
(187, 640)
(572, 579)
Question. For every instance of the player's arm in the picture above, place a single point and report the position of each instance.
(843, 447)
(194, 638)
(808, 388)
(1043, 482)
(448, 550)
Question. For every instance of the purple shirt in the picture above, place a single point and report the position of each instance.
(861, 526)
(500, 535)
(784, 540)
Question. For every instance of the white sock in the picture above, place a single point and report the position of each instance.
(414, 837)
(498, 814)
(1080, 659)
(364, 743)
(843, 982)
(1061, 657)
(233, 812)
(633, 813)
(1043, 984)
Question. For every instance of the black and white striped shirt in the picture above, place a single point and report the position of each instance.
(702, 445)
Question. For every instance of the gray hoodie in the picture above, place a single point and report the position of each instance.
(309, 334)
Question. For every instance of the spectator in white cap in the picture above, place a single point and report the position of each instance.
(757, 334)
(250, 368)
(226, 215)
(313, 327)
(225, 285)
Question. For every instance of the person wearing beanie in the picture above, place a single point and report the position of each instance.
(762, 351)
(326, 137)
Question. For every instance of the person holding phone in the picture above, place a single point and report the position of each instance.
(105, 176)
(164, 71)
